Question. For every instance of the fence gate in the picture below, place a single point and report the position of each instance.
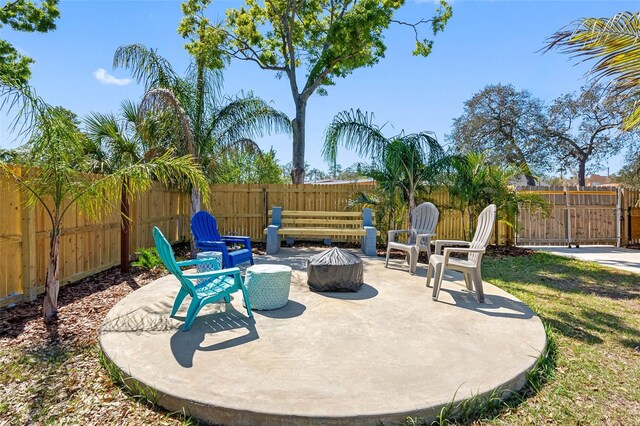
(633, 214)
(583, 215)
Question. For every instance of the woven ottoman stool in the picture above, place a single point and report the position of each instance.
(215, 262)
(268, 286)
(334, 270)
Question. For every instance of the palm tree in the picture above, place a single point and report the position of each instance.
(408, 162)
(52, 172)
(118, 141)
(474, 182)
(613, 44)
(209, 122)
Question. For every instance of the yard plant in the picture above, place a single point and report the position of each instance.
(53, 173)
(322, 40)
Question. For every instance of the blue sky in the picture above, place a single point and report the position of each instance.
(485, 42)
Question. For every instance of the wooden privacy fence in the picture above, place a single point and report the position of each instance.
(89, 246)
(581, 215)
(243, 209)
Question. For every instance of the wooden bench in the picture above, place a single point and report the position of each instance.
(289, 224)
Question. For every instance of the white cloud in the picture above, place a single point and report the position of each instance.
(104, 78)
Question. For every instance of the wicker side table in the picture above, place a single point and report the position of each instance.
(215, 263)
(268, 286)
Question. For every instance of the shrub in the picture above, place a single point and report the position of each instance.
(148, 259)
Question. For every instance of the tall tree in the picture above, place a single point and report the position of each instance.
(613, 44)
(23, 15)
(584, 129)
(52, 173)
(328, 39)
(629, 174)
(408, 162)
(250, 166)
(208, 121)
(508, 125)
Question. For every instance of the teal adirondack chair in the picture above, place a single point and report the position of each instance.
(214, 285)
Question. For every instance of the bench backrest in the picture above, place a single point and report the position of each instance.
(320, 219)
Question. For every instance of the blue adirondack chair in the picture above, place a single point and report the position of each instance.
(205, 232)
(214, 285)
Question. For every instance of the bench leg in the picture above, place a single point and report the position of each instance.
(273, 240)
(369, 241)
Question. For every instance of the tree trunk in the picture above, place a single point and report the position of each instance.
(50, 305)
(124, 227)
(531, 181)
(462, 221)
(196, 199)
(582, 171)
(412, 205)
(298, 125)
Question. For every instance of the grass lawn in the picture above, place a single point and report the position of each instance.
(52, 375)
(594, 316)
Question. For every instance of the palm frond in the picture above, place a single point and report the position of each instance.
(146, 66)
(213, 81)
(354, 130)
(161, 99)
(28, 108)
(614, 43)
(245, 118)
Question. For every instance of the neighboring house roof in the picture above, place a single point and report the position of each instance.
(343, 182)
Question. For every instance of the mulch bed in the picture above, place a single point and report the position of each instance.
(81, 308)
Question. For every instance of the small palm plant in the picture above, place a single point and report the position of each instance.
(118, 141)
(402, 165)
(474, 182)
(52, 173)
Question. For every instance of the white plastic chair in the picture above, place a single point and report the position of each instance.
(424, 219)
(470, 267)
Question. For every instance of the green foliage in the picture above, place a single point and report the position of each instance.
(23, 15)
(202, 121)
(390, 208)
(54, 172)
(508, 125)
(630, 173)
(242, 166)
(148, 258)
(584, 129)
(474, 182)
(402, 165)
(613, 44)
(329, 39)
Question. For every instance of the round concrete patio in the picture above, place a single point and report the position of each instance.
(378, 355)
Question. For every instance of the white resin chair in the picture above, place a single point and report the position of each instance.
(424, 219)
(470, 267)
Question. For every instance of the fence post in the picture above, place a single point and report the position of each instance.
(29, 272)
(568, 222)
(618, 217)
(265, 207)
(133, 226)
